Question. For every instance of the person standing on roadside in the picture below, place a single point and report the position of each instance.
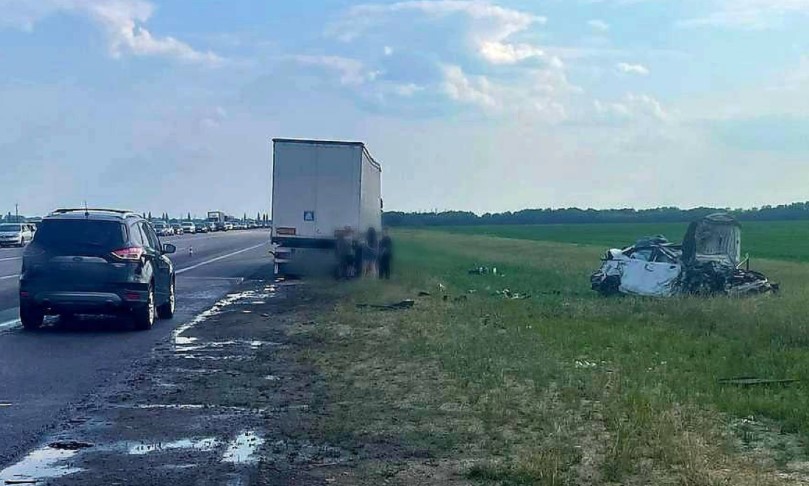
(385, 255)
(370, 253)
(345, 256)
(356, 248)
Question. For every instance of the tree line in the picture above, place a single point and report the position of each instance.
(783, 212)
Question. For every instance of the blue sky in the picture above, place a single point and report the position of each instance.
(486, 106)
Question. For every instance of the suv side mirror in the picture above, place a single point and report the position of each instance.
(168, 248)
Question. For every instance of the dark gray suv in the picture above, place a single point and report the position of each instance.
(96, 261)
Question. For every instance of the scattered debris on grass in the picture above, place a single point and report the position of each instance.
(508, 294)
(403, 304)
(482, 270)
(708, 262)
(750, 381)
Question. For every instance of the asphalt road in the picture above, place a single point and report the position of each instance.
(43, 373)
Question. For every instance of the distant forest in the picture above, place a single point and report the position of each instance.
(784, 212)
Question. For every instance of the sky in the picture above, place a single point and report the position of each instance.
(171, 105)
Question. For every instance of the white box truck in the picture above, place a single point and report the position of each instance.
(320, 190)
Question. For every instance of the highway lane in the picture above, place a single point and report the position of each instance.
(44, 373)
(205, 246)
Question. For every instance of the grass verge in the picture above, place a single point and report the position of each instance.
(565, 387)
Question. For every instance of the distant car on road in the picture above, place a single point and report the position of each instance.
(189, 227)
(201, 228)
(228, 226)
(212, 227)
(16, 234)
(97, 261)
(178, 228)
(163, 229)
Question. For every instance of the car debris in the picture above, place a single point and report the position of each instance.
(404, 304)
(509, 295)
(69, 445)
(483, 270)
(708, 262)
(750, 381)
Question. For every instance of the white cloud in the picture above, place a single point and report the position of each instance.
(123, 22)
(632, 107)
(458, 34)
(351, 72)
(627, 68)
(538, 95)
(598, 25)
(500, 53)
(749, 14)
(490, 26)
(474, 90)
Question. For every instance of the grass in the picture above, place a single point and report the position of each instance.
(778, 240)
(567, 387)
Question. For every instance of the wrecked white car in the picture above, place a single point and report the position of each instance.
(708, 262)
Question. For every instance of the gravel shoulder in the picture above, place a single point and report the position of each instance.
(232, 398)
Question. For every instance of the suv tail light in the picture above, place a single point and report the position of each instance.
(130, 254)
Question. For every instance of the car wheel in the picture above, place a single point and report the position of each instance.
(145, 317)
(166, 311)
(31, 317)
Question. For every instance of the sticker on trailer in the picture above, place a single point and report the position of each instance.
(308, 215)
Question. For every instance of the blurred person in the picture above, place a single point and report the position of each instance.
(345, 256)
(356, 249)
(370, 253)
(385, 255)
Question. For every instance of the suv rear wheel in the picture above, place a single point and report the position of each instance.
(166, 310)
(145, 316)
(31, 317)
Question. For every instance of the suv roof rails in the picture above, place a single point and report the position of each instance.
(122, 212)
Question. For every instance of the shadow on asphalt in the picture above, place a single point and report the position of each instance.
(86, 324)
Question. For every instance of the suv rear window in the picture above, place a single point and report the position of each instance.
(81, 235)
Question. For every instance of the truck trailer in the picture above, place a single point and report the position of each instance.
(321, 191)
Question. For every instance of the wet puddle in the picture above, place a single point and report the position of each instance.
(242, 449)
(203, 445)
(182, 406)
(218, 346)
(184, 341)
(39, 465)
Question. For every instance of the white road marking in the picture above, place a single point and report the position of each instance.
(237, 280)
(9, 324)
(9, 277)
(9, 259)
(192, 267)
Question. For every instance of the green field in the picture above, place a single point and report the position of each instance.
(568, 387)
(780, 240)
